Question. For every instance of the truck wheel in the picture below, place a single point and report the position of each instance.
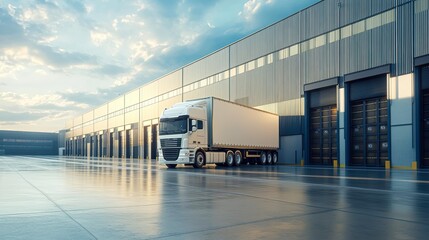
(199, 159)
(275, 158)
(229, 161)
(262, 159)
(237, 158)
(269, 158)
(171, 165)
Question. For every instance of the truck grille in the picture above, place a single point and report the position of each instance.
(171, 143)
(170, 154)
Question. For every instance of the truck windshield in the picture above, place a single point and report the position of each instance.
(173, 125)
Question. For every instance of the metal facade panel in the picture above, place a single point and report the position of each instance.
(88, 116)
(320, 63)
(320, 18)
(77, 120)
(100, 111)
(132, 97)
(405, 39)
(170, 82)
(290, 125)
(254, 46)
(149, 91)
(287, 31)
(368, 49)
(210, 65)
(355, 10)
(421, 28)
(288, 78)
(132, 117)
(116, 104)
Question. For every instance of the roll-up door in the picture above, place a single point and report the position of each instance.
(369, 128)
(111, 143)
(146, 142)
(121, 144)
(425, 117)
(154, 142)
(128, 143)
(323, 126)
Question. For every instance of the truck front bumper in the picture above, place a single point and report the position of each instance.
(186, 156)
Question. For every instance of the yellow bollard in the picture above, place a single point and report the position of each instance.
(414, 165)
(387, 164)
(335, 163)
(302, 162)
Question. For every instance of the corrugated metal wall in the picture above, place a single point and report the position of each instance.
(212, 64)
(269, 68)
(421, 28)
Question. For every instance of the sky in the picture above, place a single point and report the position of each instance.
(60, 59)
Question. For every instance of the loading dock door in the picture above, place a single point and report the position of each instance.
(369, 132)
(120, 144)
(154, 142)
(369, 129)
(425, 124)
(111, 145)
(323, 126)
(323, 139)
(100, 146)
(128, 143)
(146, 142)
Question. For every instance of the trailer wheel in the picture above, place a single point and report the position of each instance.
(275, 158)
(269, 158)
(229, 160)
(237, 158)
(200, 158)
(171, 165)
(262, 159)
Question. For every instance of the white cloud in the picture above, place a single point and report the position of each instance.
(251, 7)
(99, 36)
(14, 101)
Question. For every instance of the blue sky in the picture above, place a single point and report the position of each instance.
(59, 59)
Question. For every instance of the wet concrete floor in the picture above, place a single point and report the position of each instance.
(73, 198)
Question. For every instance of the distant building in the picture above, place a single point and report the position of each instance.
(61, 142)
(28, 143)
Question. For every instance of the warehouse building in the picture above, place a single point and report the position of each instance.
(28, 143)
(348, 78)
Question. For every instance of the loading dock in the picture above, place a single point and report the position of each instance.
(425, 124)
(321, 108)
(154, 142)
(111, 143)
(120, 144)
(424, 115)
(146, 142)
(368, 122)
(128, 143)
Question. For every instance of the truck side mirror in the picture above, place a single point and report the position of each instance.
(194, 128)
(194, 123)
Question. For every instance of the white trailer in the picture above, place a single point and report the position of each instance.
(213, 130)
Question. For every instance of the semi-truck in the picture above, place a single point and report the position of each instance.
(216, 131)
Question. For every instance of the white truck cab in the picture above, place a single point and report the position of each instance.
(182, 131)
